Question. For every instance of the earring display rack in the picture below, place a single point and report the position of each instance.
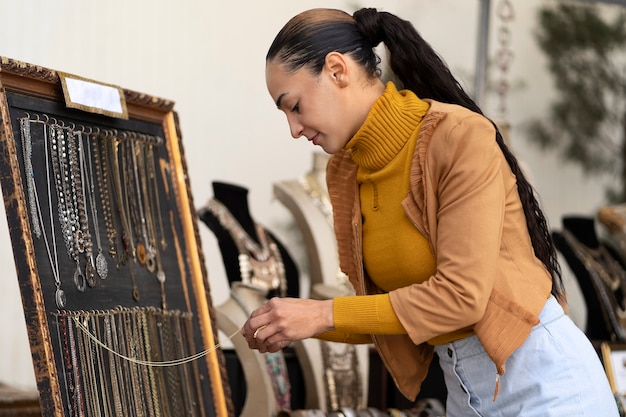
(107, 252)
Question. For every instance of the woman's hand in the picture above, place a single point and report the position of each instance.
(281, 321)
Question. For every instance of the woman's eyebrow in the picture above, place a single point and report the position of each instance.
(279, 99)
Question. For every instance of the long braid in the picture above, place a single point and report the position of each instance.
(415, 63)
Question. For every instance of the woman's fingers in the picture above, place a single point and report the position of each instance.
(284, 320)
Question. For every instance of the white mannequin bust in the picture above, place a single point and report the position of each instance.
(307, 200)
(230, 316)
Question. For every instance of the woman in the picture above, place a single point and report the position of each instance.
(437, 228)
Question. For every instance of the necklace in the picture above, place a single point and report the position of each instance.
(104, 185)
(122, 208)
(155, 187)
(613, 313)
(151, 197)
(318, 194)
(77, 160)
(72, 235)
(599, 260)
(27, 151)
(51, 249)
(101, 264)
(259, 264)
(121, 205)
(341, 370)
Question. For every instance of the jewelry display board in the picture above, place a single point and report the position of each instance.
(107, 252)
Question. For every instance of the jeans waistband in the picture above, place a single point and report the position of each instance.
(471, 346)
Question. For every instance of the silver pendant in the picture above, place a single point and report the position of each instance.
(101, 266)
(60, 298)
(79, 280)
(90, 273)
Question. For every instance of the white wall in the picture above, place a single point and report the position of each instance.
(208, 57)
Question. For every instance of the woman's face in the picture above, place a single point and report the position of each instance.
(318, 107)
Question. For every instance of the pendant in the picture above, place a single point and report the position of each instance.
(60, 298)
(160, 276)
(141, 254)
(101, 266)
(79, 279)
(90, 273)
(151, 259)
(136, 294)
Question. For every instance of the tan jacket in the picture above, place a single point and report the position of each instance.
(463, 197)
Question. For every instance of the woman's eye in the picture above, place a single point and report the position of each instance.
(296, 108)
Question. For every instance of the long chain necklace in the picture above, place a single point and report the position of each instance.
(68, 218)
(77, 157)
(155, 187)
(101, 264)
(27, 151)
(259, 264)
(121, 199)
(51, 249)
(600, 260)
(121, 205)
(100, 152)
(145, 253)
(151, 199)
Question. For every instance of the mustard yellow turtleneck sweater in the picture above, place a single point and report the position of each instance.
(395, 253)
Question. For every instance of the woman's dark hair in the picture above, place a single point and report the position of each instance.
(308, 37)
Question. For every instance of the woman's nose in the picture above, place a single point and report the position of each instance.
(296, 129)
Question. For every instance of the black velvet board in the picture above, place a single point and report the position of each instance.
(116, 290)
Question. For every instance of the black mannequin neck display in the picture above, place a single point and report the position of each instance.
(582, 229)
(235, 199)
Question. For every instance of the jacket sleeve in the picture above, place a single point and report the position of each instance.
(464, 192)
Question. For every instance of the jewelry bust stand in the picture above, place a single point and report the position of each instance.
(244, 247)
(601, 277)
(231, 315)
(234, 199)
(307, 200)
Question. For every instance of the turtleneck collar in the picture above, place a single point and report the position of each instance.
(392, 120)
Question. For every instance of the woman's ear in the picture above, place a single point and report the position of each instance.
(337, 68)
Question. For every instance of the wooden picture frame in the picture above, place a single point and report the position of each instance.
(33, 96)
(614, 359)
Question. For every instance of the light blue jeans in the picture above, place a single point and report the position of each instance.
(556, 372)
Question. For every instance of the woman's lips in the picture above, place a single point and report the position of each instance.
(314, 139)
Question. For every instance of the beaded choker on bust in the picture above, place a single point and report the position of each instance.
(259, 263)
